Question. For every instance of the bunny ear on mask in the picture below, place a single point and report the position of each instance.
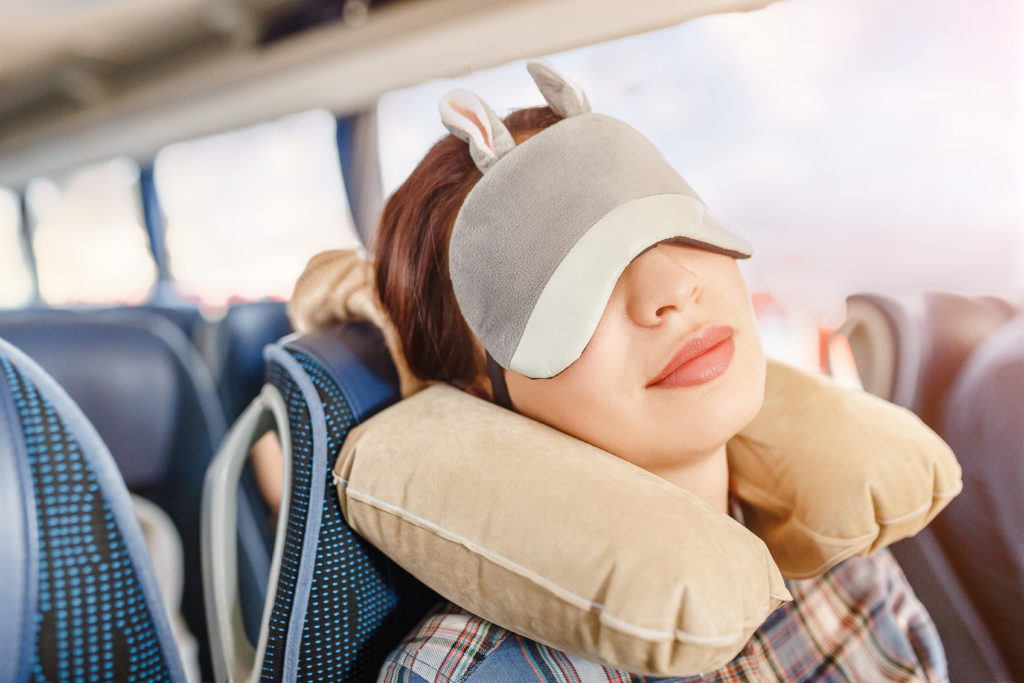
(562, 95)
(469, 118)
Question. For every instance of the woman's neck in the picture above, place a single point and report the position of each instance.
(705, 476)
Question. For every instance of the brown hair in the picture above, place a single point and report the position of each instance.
(412, 256)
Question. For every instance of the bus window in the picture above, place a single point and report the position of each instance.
(15, 277)
(855, 144)
(88, 236)
(244, 211)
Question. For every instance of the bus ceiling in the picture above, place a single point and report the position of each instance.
(81, 82)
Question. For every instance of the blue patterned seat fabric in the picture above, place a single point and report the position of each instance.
(79, 596)
(144, 388)
(340, 604)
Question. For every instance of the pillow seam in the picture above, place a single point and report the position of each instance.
(577, 601)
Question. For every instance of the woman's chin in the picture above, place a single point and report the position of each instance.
(709, 418)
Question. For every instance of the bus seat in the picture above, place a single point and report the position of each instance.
(152, 399)
(185, 317)
(884, 340)
(80, 599)
(909, 350)
(335, 605)
(233, 347)
(237, 350)
(982, 531)
(954, 325)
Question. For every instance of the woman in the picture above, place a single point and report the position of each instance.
(554, 263)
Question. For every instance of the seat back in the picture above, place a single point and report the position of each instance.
(142, 383)
(80, 599)
(237, 350)
(336, 606)
(138, 379)
(982, 531)
(185, 317)
(909, 350)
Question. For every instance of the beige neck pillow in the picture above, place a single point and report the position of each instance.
(569, 545)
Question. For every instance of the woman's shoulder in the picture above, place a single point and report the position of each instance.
(863, 621)
(451, 645)
(446, 645)
(858, 621)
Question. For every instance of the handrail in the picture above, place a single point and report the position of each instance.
(234, 657)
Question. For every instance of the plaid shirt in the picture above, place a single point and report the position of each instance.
(859, 621)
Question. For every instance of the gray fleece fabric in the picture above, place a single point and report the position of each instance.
(530, 209)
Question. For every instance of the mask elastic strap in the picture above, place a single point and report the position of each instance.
(499, 389)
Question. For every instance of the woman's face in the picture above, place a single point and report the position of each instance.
(674, 369)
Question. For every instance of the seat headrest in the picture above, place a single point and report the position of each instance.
(909, 349)
(125, 378)
(354, 355)
(954, 326)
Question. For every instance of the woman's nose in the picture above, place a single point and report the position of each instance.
(658, 286)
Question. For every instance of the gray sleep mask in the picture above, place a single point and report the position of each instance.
(542, 238)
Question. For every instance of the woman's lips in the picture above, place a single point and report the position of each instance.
(700, 359)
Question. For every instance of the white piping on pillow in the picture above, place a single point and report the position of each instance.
(572, 598)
